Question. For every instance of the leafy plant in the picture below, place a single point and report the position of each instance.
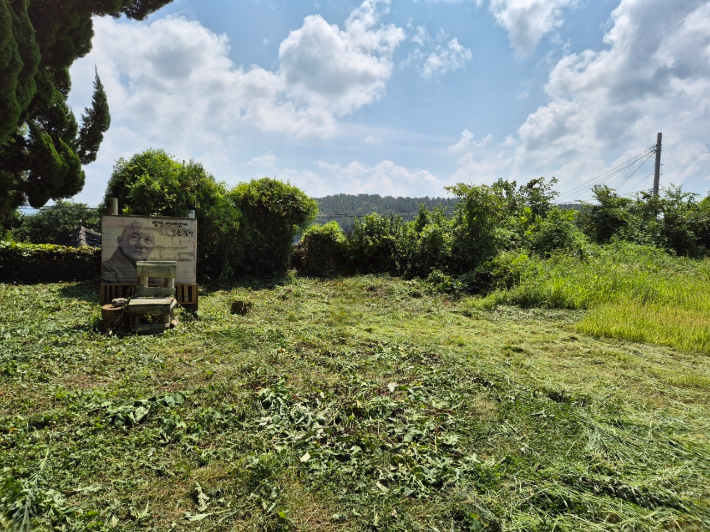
(323, 250)
(274, 213)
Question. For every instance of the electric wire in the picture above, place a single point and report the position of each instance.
(612, 174)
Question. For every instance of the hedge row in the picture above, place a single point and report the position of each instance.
(47, 262)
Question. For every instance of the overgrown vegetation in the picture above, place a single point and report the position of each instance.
(505, 217)
(365, 403)
(638, 293)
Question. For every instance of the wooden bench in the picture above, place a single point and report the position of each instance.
(185, 293)
(153, 300)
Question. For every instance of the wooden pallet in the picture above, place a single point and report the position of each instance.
(185, 294)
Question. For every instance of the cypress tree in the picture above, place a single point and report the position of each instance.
(42, 149)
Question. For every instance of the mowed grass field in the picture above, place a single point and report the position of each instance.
(364, 403)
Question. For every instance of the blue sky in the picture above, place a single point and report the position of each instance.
(404, 97)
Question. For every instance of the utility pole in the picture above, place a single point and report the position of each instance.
(657, 176)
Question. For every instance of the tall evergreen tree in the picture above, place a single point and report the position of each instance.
(42, 148)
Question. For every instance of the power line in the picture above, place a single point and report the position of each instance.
(612, 173)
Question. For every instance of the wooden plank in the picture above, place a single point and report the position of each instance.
(154, 291)
(151, 306)
(186, 293)
(157, 268)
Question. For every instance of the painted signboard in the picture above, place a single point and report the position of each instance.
(127, 239)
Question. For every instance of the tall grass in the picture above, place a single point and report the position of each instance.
(633, 292)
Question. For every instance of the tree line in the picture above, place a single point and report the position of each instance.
(344, 208)
(249, 229)
(505, 220)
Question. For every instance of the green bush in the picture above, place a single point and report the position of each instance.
(426, 243)
(47, 262)
(375, 244)
(323, 250)
(699, 222)
(153, 183)
(673, 221)
(557, 231)
(274, 213)
(491, 219)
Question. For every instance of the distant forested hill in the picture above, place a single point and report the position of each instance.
(343, 208)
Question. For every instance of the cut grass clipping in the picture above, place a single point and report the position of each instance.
(361, 404)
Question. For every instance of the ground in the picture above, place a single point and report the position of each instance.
(364, 403)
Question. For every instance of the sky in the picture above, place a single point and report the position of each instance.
(406, 97)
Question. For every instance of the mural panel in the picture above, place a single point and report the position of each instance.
(127, 239)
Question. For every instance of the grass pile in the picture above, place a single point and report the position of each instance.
(367, 403)
(638, 293)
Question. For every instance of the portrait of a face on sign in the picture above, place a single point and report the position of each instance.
(128, 239)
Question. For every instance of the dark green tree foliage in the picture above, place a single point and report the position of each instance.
(674, 220)
(96, 121)
(555, 231)
(610, 215)
(699, 222)
(153, 183)
(41, 146)
(428, 242)
(274, 213)
(344, 208)
(493, 218)
(487, 220)
(9, 224)
(322, 250)
(375, 244)
(54, 225)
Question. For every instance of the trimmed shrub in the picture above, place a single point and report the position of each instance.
(323, 250)
(274, 213)
(47, 262)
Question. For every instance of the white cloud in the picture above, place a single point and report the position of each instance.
(385, 178)
(171, 84)
(645, 81)
(528, 21)
(443, 60)
(482, 169)
(263, 161)
(421, 36)
(176, 75)
(340, 70)
(466, 142)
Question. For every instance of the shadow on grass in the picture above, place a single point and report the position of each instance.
(255, 283)
(83, 290)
